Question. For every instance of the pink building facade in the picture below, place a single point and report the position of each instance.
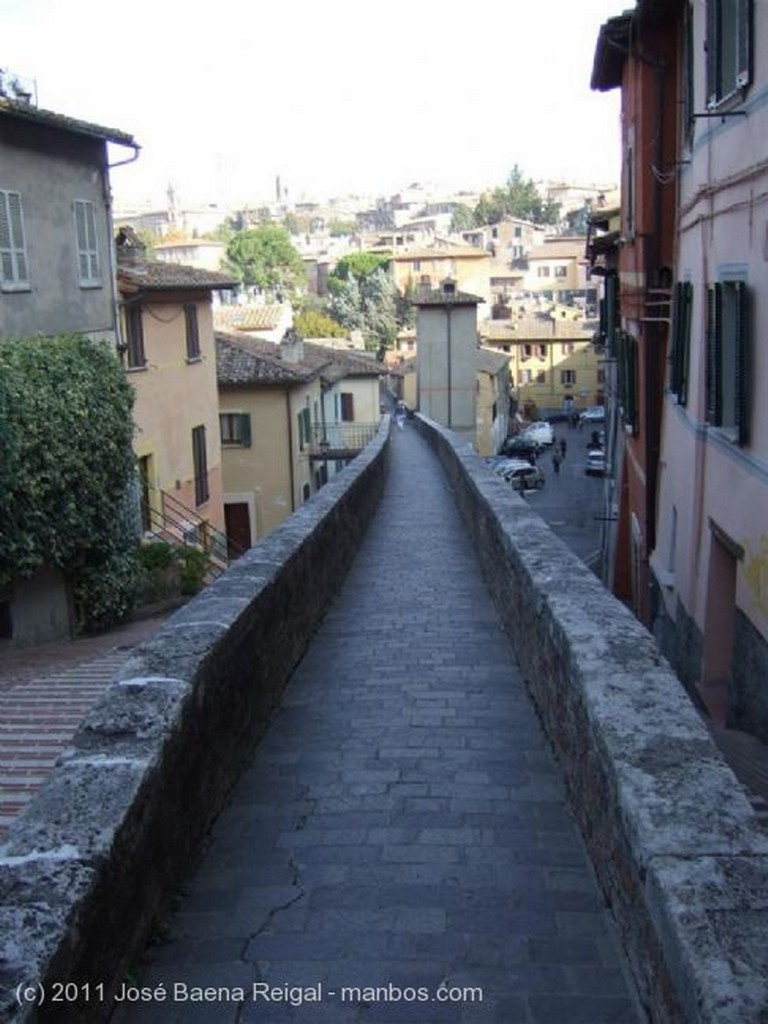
(710, 562)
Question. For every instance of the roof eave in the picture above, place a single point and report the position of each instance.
(50, 119)
(611, 53)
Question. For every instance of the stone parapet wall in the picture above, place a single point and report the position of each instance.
(90, 864)
(676, 847)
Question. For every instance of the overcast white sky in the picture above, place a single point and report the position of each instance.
(334, 96)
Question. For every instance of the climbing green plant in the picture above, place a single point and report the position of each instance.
(66, 467)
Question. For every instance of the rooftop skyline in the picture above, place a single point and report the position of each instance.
(329, 103)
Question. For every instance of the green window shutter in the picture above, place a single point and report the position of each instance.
(631, 358)
(681, 341)
(677, 334)
(244, 429)
(714, 384)
(611, 312)
(743, 333)
(685, 356)
(713, 52)
(744, 65)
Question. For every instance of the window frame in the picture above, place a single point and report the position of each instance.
(135, 353)
(200, 464)
(720, 35)
(729, 345)
(87, 239)
(235, 429)
(347, 407)
(13, 244)
(192, 332)
(680, 355)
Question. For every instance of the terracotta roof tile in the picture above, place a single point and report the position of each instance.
(242, 360)
(248, 318)
(154, 275)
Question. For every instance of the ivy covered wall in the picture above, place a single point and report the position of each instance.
(66, 469)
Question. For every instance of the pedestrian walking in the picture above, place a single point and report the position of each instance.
(556, 460)
(563, 447)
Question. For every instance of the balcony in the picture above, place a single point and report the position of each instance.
(339, 440)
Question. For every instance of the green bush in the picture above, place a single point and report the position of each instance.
(194, 566)
(156, 554)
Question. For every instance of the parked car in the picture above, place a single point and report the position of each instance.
(522, 448)
(595, 464)
(540, 431)
(525, 478)
(593, 414)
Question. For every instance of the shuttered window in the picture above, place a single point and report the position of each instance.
(200, 462)
(305, 428)
(14, 274)
(681, 341)
(192, 330)
(89, 266)
(729, 48)
(728, 357)
(235, 428)
(626, 360)
(134, 337)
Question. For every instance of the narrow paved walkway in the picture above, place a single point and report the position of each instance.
(399, 849)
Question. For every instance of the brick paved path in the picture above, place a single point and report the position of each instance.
(403, 822)
(45, 692)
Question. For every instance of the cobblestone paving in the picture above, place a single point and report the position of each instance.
(400, 849)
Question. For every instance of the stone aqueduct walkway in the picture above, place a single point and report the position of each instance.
(399, 849)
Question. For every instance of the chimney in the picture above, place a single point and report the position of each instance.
(292, 347)
(131, 251)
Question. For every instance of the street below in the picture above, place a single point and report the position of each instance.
(571, 502)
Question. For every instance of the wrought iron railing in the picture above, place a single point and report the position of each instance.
(334, 440)
(171, 520)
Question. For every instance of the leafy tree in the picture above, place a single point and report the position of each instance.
(337, 228)
(311, 323)
(264, 258)
(518, 198)
(363, 297)
(293, 224)
(66, 466)
(463, 218)
(368, 304)
(224, 232)
(357, 264)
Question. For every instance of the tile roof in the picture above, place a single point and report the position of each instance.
(535, 328)
(491, 361)
(566, 248)
(27, 112)
(437, 297)
(425, 253)
(155, 275)
(249, 318)
(244, 360)
(241, 360)
(353, 364)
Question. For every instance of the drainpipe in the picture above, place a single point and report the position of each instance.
(107, 194)
(450, 380)
(290, 449)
